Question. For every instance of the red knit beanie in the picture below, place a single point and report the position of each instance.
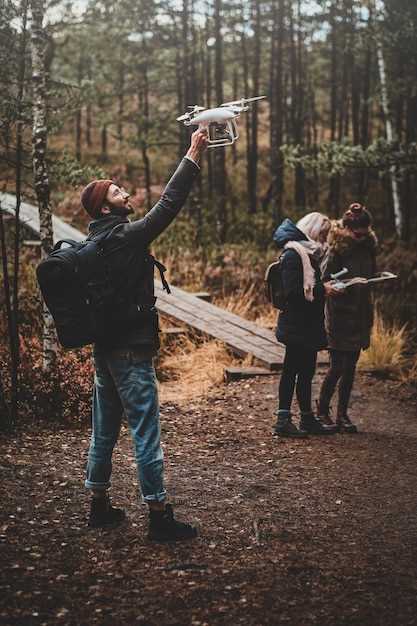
(93, 196)
(357, 216)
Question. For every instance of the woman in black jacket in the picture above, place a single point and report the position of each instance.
(301, 323)
(349, 319)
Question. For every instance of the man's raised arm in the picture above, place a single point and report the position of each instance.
(145, 230)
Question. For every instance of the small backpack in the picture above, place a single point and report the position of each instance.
(85, 301)
(274, 286)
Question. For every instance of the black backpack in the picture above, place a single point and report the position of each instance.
(274, 287)
(82, 296)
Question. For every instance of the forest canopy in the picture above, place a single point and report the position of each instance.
(339, 122)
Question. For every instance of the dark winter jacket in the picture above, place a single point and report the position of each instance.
(301, 322)
(129, 262)
(349, 318)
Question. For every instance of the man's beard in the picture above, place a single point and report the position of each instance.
(122, 211)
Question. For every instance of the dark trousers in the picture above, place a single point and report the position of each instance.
(297, 372)
(342, 370)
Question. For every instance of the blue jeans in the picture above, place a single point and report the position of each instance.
(125, 384)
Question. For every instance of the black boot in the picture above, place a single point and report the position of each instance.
(164, 527)
(103, 515)
(345, 425)
(324, 416)
(314, 426)
(286, 428)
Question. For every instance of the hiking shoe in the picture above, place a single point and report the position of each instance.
(345, 425)
(324, 416)
(104, 515)
(164, 527)
(327, 421)
(286, 428)
(313, 425)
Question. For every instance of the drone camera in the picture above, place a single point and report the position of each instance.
(218, 132)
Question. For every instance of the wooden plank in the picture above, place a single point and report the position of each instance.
(270, 351)
(202, 295)
(238, 340)
(237, 373)
(29, 216)
(173, 330)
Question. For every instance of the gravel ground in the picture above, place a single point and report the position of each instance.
(314, 532)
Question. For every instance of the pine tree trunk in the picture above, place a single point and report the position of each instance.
(5, 420)
(235, 97)
(276, 107)
(40, 171)
(297, 107)
(145, 137)
(88, 112)
(14, 339)
(219, 153)
(209, 87)
(121, 103)
(248, 120)
(364, 121)
(104, 142)
(256, 70)
(78, 113)
(334, 186)
(6, 416)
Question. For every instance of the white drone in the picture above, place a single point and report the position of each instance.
(219, 122)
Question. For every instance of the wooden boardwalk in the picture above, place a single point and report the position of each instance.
(240, 335)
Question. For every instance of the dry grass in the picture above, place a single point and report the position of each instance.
(386, 352)
(247, 302)
(241, 302)
(409, 373)
(192, 367)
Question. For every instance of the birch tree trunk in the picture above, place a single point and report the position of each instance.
(40, 172)
(398, 216)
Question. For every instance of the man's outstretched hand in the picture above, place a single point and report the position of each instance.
(198, 145)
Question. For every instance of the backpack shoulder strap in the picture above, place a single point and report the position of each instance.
(162, 269)
(70, 242)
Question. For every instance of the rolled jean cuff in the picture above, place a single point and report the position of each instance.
(155, 497)
(90, 485)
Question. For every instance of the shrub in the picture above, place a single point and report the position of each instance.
(386, 352)
(62, 396)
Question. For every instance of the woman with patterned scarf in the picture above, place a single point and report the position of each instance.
(349, 319)
(301, 323)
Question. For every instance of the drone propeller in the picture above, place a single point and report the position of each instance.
(242, 101)
(181, 118)
(195, 108)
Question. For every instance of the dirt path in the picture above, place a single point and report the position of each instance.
(318, 532)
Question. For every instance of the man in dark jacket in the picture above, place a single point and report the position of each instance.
(124, 374)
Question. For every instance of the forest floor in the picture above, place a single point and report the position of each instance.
(313, 532)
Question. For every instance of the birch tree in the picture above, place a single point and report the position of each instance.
(40, 170)
(398, 216)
